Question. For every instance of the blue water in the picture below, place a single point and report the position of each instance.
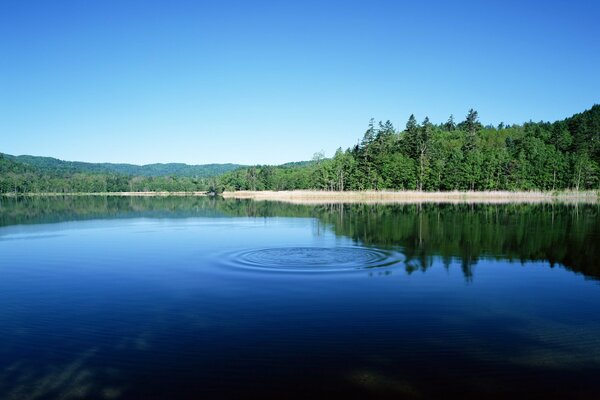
(194, 304)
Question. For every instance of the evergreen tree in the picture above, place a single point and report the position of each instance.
(450, 125)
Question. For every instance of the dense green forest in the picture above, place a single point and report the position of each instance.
(17, 177)
(423, 156)
(31, 174)
(448, 156)
(55, 165)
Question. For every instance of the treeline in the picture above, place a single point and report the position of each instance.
(449, 156)
(423, 156)
(18, 178)
(54, 165)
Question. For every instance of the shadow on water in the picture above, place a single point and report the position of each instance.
(560, 234)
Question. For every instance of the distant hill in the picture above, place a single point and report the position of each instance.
(8, 165)
(54, 165)
(294, 164)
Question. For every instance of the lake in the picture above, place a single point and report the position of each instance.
(205, 298)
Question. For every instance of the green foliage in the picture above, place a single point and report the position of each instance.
(450, 156)
(18, 178)
(54, 165)
(30, 174)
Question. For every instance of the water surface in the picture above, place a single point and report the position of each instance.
(188, 298)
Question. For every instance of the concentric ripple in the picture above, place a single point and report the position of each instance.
(315, 259)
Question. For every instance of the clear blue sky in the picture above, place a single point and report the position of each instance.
(269, 82)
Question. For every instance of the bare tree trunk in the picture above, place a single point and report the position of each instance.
(422, 161)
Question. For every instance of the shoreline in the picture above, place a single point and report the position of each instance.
(396, 197)
(365, 197)
(121, 194)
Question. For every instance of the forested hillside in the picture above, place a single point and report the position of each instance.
(448, 156)
(50, 164)
(422, 156)
(17, 177)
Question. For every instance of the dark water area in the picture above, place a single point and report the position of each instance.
(205, 298)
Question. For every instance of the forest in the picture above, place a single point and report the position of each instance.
(463, 155)
(50, 164)
(448, 156)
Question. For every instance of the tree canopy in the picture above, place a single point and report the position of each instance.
(449, 156)
(423, 156)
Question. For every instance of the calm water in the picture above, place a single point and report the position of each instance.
(199, 298)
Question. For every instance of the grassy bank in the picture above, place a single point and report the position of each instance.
(315, 197)
(319, 197)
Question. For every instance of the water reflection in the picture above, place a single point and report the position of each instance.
(559, 234)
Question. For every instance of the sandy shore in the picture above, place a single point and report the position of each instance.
(370, 197)
(317, 197)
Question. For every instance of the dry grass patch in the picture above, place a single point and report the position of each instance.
(316, 197)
